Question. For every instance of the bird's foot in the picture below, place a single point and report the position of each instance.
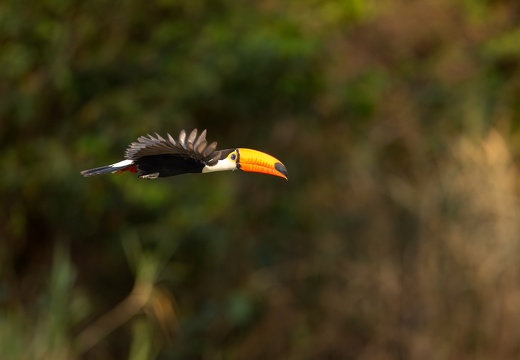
(149, 176)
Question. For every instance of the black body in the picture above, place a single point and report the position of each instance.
(167, 165)
(153, 157)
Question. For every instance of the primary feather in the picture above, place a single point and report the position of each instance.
(196, 148)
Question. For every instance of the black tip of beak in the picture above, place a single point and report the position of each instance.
(281, 169)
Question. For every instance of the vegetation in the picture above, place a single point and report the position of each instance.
(396, 236)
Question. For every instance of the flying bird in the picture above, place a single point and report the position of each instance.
(154, 157)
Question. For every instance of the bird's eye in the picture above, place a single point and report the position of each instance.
(233, 156)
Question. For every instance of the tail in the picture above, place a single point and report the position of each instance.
(125, 165)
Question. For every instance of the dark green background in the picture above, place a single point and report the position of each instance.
(396, 236)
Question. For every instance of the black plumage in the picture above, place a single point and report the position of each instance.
(153, 157)
(192, 147)
(160, 157)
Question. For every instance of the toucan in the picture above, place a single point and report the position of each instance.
(154, 157)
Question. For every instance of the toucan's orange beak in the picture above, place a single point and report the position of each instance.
(257, 161)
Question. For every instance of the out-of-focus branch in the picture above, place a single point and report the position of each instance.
(116, 317)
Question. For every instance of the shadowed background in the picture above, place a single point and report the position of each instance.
(396, 236)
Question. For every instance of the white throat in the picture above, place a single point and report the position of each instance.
(221, 165)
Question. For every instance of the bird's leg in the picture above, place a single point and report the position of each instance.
(149, 176)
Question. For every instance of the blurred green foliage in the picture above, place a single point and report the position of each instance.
(396, 236)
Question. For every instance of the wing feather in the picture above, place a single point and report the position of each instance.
(200, 143)
(172, 141)
(193, 135)
(182, 138)
(192, 146)
(209, 149)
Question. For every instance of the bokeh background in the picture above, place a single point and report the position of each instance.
(396, 237)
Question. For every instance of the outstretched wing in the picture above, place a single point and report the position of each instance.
(192, 146)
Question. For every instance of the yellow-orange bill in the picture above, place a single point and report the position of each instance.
(259, 162)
